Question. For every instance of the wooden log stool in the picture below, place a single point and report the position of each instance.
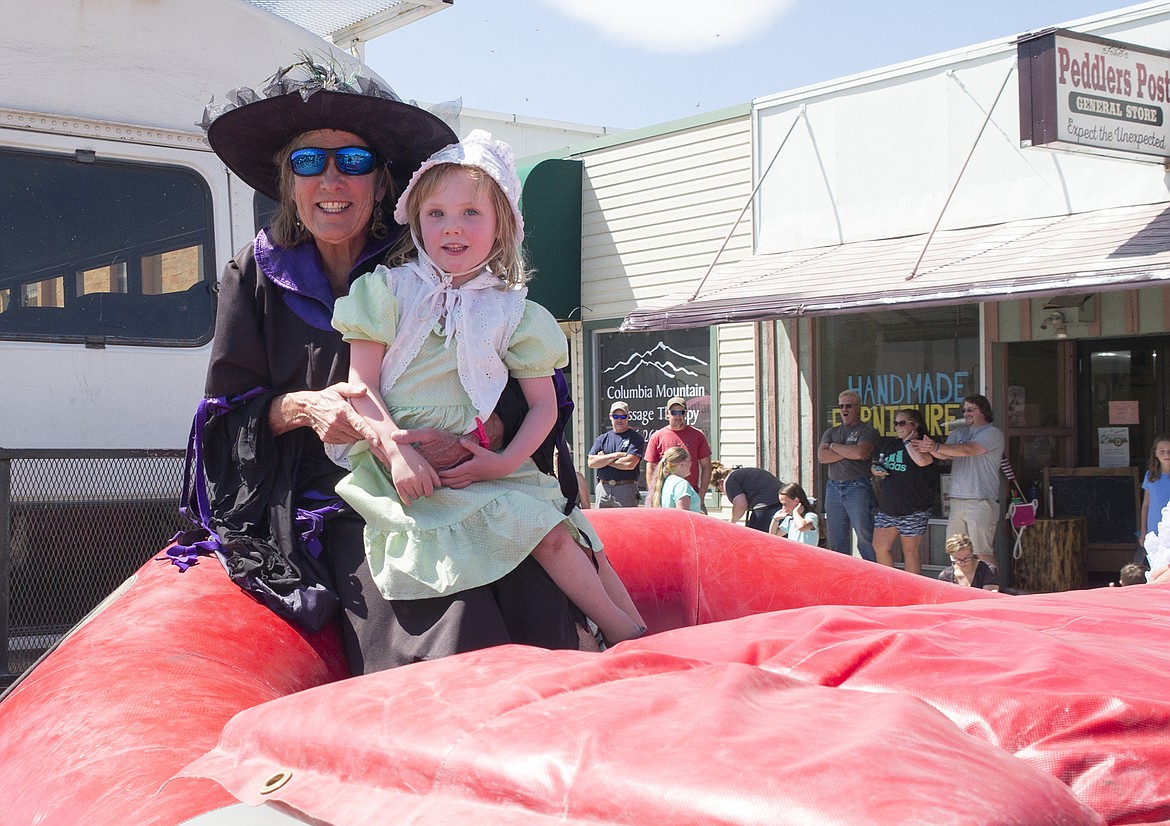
(1052, 556)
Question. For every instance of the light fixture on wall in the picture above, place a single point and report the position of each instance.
(1055, 320)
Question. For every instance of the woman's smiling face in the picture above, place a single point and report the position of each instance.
(336, 208)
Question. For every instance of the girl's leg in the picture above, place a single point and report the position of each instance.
(883, 544)
(615, 588)
(910, 553)
(570, 569)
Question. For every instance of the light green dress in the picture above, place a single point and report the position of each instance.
(453, 540)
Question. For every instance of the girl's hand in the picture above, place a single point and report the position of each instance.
(413, 477)
(483, 465)
(798, 510)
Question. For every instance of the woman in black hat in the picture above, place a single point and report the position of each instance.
(333, 151)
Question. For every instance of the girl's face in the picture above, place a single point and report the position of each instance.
(458, 222)
(788, 502)
(1162, 451)
(336, 208)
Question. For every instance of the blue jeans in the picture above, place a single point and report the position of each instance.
(850, 504)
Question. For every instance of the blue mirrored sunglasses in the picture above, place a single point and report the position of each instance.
(618, 416)
(350, 160)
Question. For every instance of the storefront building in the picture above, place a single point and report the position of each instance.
(993, 220)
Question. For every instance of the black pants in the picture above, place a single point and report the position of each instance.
(525, 606)
(760, 519)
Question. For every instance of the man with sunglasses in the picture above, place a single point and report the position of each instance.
(678, 432)
(615, 456)
(849, 502)
(975, 449)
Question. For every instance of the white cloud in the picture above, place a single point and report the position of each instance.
(674, 26)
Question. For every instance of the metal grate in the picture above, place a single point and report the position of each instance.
(77, 523)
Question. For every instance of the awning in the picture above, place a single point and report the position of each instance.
(1106, 249)
(346, 22)
(550, 201)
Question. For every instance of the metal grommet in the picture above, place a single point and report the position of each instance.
(276, 781)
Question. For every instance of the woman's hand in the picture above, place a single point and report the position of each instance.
(328, 412)
(482, 466)
(444, 450)
(413, 477)
(798, 510)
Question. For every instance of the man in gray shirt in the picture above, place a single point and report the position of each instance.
(849, 500)
(975, 449)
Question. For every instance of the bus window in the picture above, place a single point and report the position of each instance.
(112, 251)
(263, 210)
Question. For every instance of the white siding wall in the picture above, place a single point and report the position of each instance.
(656, 208)
(737, 395)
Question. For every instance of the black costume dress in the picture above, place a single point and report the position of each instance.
(272, 331)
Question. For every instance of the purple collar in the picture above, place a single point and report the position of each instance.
(298, 272)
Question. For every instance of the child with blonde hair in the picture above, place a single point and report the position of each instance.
(671, 488)
(439, 334)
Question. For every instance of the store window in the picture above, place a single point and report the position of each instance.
(104, 252)
(926, 358)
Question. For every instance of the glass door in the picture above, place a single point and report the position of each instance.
(1123, 394)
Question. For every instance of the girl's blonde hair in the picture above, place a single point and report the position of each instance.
(671, 459)
(506, 259)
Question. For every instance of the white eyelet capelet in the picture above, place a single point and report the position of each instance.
(481, 316)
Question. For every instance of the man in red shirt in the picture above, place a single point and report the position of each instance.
(678, 432)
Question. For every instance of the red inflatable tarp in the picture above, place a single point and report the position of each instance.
(783, 684)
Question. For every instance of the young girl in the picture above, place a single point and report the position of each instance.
(671, 488)
(439, 334)
(1156, 485)
(796, 520)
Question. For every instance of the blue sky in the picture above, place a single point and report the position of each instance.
(631, 63)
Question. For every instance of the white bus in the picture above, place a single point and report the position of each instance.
(115, 219)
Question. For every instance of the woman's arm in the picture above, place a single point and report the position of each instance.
(239, 362)
(329, 412)
(919, 456)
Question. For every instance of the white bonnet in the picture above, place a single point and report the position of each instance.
(478, 149)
